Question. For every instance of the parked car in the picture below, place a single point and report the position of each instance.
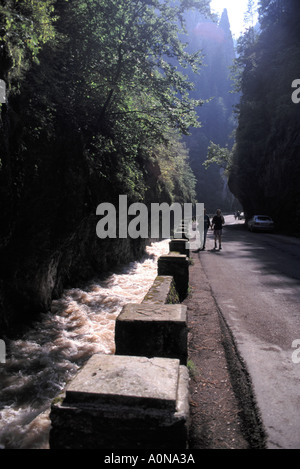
(261, 223)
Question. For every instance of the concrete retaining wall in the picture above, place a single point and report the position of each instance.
(176, 265)
(163, 291)
(137, 398)
(152, 330)
(119, 402)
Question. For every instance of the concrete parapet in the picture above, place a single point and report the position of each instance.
(176, 265)
(179, 245)
(121, 402)
(152, 330)
(162, 291)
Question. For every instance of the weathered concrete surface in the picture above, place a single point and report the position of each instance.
(152, 330)
(123, 402)
(179, 246)
(162, 291)
(176, 265)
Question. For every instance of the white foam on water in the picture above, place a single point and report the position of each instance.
(80, 323)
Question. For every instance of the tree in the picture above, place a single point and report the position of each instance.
(93, 114)
(25, 26)
(219, 156)
(249, 17)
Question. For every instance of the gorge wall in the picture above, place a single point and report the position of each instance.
(81, 125)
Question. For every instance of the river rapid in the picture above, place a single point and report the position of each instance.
(80, 324)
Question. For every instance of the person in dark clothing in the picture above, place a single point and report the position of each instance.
(203, 226)
(206, 227)
(217, 225)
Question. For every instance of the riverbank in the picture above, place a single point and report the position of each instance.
(48, 355)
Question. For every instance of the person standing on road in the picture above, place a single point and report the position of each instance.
(206, 227)
(203, 226)
(217, 225)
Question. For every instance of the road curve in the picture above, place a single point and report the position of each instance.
(255, 280)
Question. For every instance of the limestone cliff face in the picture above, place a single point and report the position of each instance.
(30, 279)
(48, 235)
(265, 169)
(267, 181)
(217, 123)
(32, 275)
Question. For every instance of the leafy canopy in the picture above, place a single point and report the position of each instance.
(130, 52)
(25, 26)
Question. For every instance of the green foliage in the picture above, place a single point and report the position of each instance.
(25, 27)
(129, 70)
(193, 371)
(100, 80)
(176, 176)
(220, 156)
(131, 93)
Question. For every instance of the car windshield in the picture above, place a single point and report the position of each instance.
(263, 218)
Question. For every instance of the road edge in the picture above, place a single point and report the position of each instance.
(253, 427)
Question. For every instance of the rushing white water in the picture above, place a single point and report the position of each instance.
(80, 323)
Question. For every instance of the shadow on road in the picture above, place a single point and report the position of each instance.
(273, 253)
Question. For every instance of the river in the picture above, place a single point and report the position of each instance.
(80, 324)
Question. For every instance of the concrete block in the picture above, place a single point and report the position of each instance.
(162, 291)
(120, 402)
(179, 246)
(176, 265)
(152, 330)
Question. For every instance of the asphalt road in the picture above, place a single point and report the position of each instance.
(255, 280)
